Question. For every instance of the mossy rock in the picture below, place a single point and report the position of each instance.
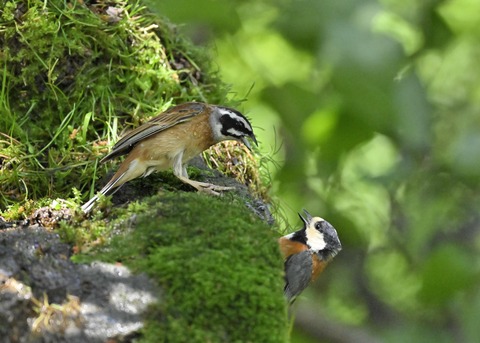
(218, 264)
(74, 74)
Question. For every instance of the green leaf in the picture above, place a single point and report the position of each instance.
(447, 272)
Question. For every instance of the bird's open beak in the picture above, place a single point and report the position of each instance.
(308, 217)
(247, 143)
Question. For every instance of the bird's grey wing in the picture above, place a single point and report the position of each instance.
(171, 117)
(298, 272)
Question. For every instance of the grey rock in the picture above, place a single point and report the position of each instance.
(93, 303)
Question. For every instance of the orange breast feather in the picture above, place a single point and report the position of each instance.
(289, 247)
(318, 266)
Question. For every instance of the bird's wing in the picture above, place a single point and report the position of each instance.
(298, 272)
(171, 117)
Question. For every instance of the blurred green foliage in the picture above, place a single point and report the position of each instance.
(371, 110)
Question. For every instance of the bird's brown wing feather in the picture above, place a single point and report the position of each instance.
(173, 116)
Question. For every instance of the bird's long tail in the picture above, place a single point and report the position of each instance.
(109, 189)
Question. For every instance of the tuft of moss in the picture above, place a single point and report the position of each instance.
(235, 160)
(73, 73)
(218, 264)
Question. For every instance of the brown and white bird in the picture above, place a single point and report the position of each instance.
(307, 252)
(173, 138)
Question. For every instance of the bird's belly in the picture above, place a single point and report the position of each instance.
(160, 151)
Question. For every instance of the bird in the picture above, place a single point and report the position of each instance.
(307, 252)
(170, 140)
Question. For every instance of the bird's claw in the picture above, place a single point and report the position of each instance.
(213, 189)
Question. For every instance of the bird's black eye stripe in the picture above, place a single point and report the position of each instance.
(239, 125)
(318, 226)
(234, 127)
(230, 122)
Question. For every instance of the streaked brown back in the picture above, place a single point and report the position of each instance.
(171, 117)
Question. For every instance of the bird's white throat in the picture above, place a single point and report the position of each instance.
(315, 239)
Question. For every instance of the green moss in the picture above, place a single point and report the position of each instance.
(73, 75)
(218, 264)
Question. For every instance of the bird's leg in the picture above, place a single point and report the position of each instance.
(180, 171)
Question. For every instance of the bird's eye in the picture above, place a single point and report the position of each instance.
(318, 226)
(239, 125)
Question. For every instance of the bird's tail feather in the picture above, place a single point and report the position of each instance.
(109, 189)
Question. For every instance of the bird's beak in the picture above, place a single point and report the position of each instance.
(247, 143)
(303, 219)
(307, 219)
(308, 215)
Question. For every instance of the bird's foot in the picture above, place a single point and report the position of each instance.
(205, 187)
(212, 189)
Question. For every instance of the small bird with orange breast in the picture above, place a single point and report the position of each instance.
(173, 138)
(307, 252)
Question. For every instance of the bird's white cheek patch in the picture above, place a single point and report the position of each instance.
(315, 239)
(235, 133)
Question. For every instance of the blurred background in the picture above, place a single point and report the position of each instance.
(368, 114)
